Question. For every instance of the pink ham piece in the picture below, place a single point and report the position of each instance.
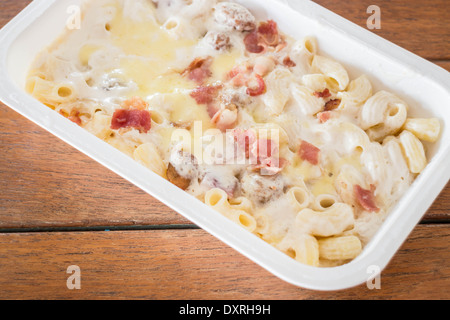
(245, 140)
(198, 70)
(324, 94)
(266, 35)
(324, 116)
(205, 94)
(261, 152)
(366, 198)
(268, 32)
(133, 118)
(134, 114)
(252, 43)
(271, 166)
(266, 149)
(332, 105)
(256, 86)
(309, 152)
(268, 162)
(74, 116)
(244, 76)
(288, 62)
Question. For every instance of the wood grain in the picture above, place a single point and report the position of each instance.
(169, 264)
(418, 26)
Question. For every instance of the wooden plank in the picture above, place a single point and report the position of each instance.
(191, 264)
(46, 183)
(418, 26)
(10, 8)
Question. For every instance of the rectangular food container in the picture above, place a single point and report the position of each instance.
(425, 86)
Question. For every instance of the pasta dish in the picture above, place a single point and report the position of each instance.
(264, 128)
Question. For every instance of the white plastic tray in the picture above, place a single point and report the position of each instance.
(422, 84)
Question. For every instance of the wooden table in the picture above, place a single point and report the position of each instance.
(60, 208)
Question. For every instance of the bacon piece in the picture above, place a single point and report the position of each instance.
(205, 94)
(366, 198)
(332, 105)
(236, 71)
(174, 177)
(288, 62)
(271, 166)
(137, 119)
(198, 70)
(324, 116)
(266, 148)
(269, 33)
(309, 152)
(262, 152)
(252, 43)
(240, 79)
(74, 116)
(224, 116)
(268, 162)
(244, 75)
(245, 140)
(256, 88)
(240, 75)
(324, 94)
(266, 35)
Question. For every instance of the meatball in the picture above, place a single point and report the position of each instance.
(182, 169)
(218, 40)
(234, 16)
(261, 189)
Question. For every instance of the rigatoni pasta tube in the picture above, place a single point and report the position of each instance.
(306, 250)
(339, 248)
(218, 199)
(424, 129)
(414, 151)
(148, 155)
(299, 197)
(336, 219)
